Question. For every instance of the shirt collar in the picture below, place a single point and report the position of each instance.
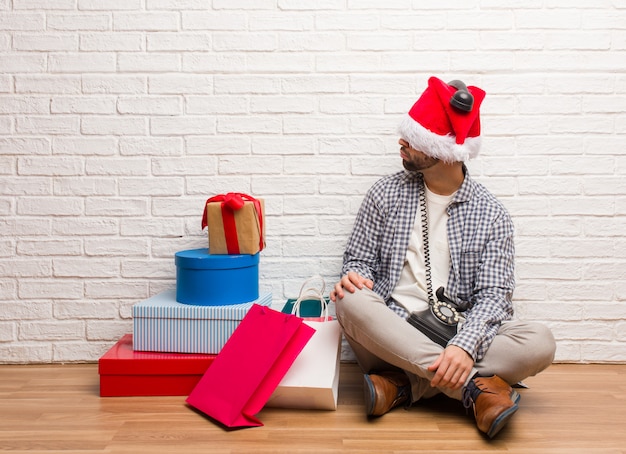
(465, 192)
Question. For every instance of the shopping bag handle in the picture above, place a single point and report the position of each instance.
(309, 291)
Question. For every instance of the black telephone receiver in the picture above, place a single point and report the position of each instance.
(462, 98)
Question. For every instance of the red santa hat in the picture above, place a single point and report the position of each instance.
(444, 123)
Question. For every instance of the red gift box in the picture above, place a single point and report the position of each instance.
(125, 372)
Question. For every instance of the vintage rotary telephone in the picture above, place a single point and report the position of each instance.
(439, 322)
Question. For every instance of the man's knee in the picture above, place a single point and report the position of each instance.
(538, 341)
(346, 305)
(356, 305)
(545, 346)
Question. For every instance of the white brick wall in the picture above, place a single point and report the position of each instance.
(119, 118)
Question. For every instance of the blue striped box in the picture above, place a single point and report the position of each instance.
(161, 324)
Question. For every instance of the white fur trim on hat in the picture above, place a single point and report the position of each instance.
(443, 147)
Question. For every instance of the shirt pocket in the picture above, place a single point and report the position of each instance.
(468, 271)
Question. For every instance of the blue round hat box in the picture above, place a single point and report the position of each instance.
(204, 279)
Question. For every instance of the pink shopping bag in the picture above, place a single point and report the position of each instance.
(249, 367)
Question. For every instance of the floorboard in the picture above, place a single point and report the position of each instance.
(568, 409)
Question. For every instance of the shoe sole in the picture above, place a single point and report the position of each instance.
(501, 421)
(370, 395)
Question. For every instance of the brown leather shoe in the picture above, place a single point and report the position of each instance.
(385, 391)
(494, 402)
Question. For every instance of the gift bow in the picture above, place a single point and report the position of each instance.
(231, 202)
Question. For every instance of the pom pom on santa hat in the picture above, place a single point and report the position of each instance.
(438, 129)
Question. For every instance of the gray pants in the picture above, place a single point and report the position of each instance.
(381, 340)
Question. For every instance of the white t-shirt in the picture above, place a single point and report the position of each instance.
(411, 291)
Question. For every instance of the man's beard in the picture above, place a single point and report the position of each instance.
(419, 165)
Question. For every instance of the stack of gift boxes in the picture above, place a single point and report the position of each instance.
(178, 333)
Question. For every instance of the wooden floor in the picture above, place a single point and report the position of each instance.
(56, 408)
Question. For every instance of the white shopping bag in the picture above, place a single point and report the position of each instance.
(312, 382)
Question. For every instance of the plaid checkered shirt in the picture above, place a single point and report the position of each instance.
(480, 237)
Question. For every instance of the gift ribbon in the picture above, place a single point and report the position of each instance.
(230, 203)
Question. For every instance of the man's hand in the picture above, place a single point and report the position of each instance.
(350, 282)
(452, 367)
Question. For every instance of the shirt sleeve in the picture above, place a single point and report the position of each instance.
(362, 251)
(492, 292)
